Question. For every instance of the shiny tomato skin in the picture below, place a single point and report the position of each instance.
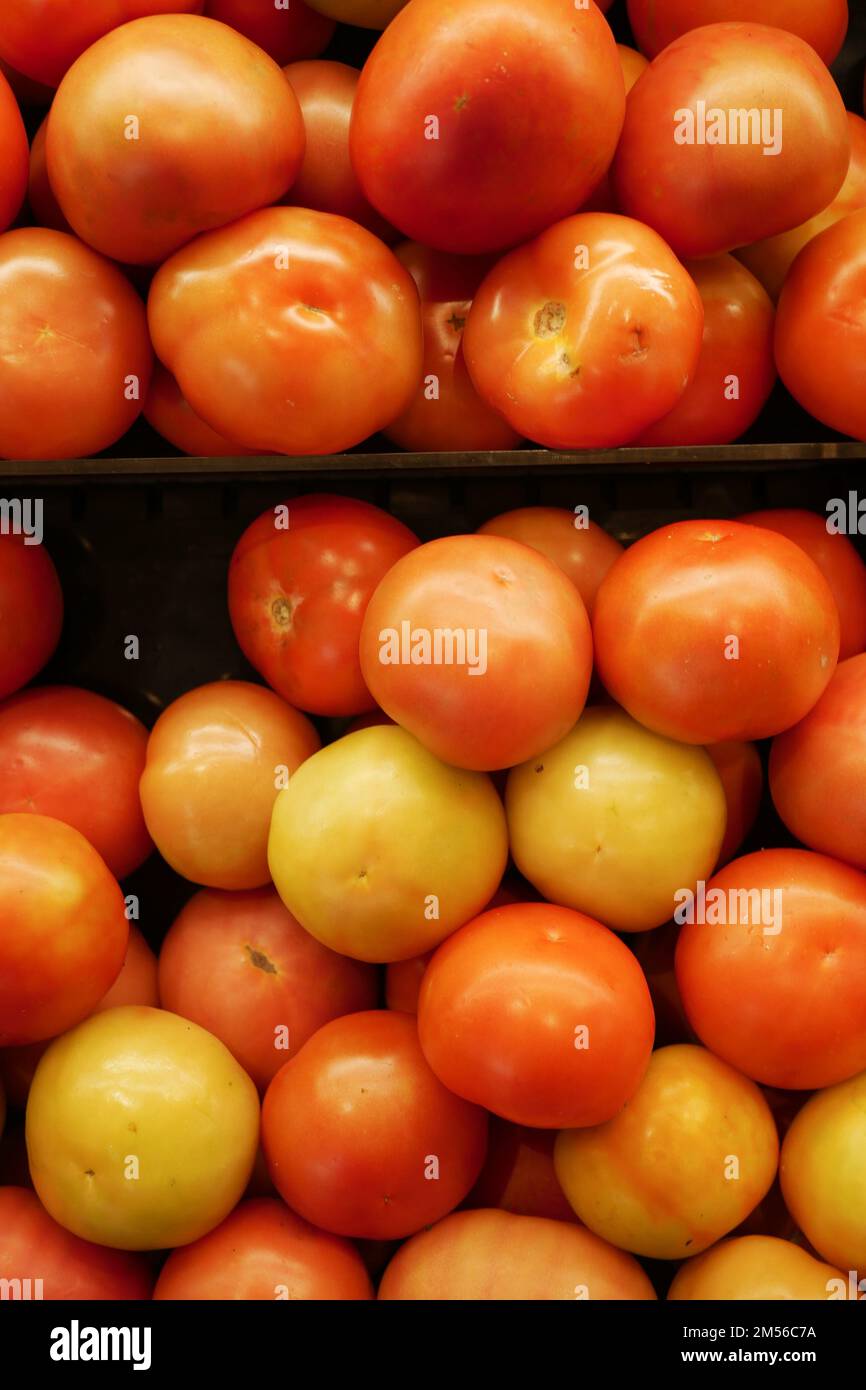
(582, 549)
(172, 416)
(742, 776)
(31, 611)
(708, 631)
(297, 331)
(587, 335)
(14, 156)
(287, 33)
(754, 1268)
(351, 1125)
(489, 74)
(518, 1173)
(33, 1246)
(43, 38)
(781, 1000)
(502, 1003)
(822, 1170)
(230, 136)
(656, 23)
(40, 195)
(300, 579)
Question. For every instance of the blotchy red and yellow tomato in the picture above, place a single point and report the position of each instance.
(656, 23)
(821, 1171)
(61, 1266)
(31, 611)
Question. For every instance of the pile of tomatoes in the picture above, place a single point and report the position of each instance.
(504, 227)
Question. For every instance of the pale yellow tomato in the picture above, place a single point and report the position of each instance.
(683, 1163)
(756, 1268)
(823, 1172)
(141, 1130)
(380, 850)
(614, 820)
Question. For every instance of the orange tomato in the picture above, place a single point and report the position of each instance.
(287, 32)
(518, 1173)
(656, 23)
(31, 611)
(59, 1266)
(14, 156)
(760, 1268)
(742, 777)
(583, 550)
(171, 415)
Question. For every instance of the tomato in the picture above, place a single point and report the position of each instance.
(742, 777)
(495, 1255)
(40, 195)
(170, 413)
(823, 1158)
(587, 335)
(773, 980)
(539, 1014)
(689, 1157)
(380, 850)
(447, 413)
(286, 31)
(403, 982)
(613, 819)
(241, 966)
(360, 1136)
(31, 611)
(300, 579)
(583, 550)
(297, 331)
(58, 1266)
(43, 38)
(75, 358)
(655, 952)
(689, 166)
(518, 1173)
(601, 199)
(215, 132)
(821, 327)
(14, 156)
(708, 631)
(216, 759)
(656, 23)
(633, 64)
(758, 1268)
(27, 92)
(450, 80)
(480, 647)
(369, 14)
(64, 928)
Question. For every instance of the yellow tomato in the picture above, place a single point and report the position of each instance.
(614, 820)
(683, 1163)
(368, 14)
(757, 1268)
(380, 850)
(141, 1130)
(823, 1172)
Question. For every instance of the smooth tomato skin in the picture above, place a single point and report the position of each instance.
(585, 336)
(742, 777)
(500, 1007)
(211, 778)
(64, 928)
(490, 73)
(822, 1173)
(656, 23)
(298, 591)
(75, 357)
(656, 1179)
(40, 195)
(350, 1125)
(667, 612)
(230, 136)
(297, 331)
(450, 415)
(487, 1255)
(758, 1268)
(783, 1006)
(33, 1246)
(31, 611)
(288, 34)
(583, 550)
(171, 415)
(241, 966)
(263, 1251)
(518, 1173)
(533, 650)
(369, 14)
(43, 38)
(14, 156)
(705, 199)
(403, 982)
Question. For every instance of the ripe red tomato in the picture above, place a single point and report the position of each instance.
(285, 31)
(742, 776)
(538, 1013)
(31, 611)
(296, 331)
(215, 131)
(448, 82)
(777, 989)
(360, 1136)
(518, 1173)
(58, 1266)
(586, 336)
(711, 630)
(300, 579)
(241, 966)
(369, 14)
(403, 982)
(14, 156)
(821, 327)
(77, 757)
(583, 550)
(513, 645)
(64, 932)
(43, 38)
(40, 195)
(705, 194)
(656, 23)
(170, 413)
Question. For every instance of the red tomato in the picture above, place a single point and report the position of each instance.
(655, 953)
(586, 336)
(31, 611)
(264, 1251)
(14, 156)
(582, 550)
(742, 776)
(708, 631)
(777, 989)
(75, 358)
(447, 413)
(450, 81)
(360, 1136)
(43, 204)
(601, 198)
(821, 327)
(58, 1266)
(403, 982)
(64, 928)
(538, 1013)
(170, 413)
(27, 92)
(369, 14)
(297, 331)
(43, 38)
(241, 966)
(705, 194)
(300, 579)
(656, 23)
(215, 132)
(287, 31)
(77, 757)
(518, 1173)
